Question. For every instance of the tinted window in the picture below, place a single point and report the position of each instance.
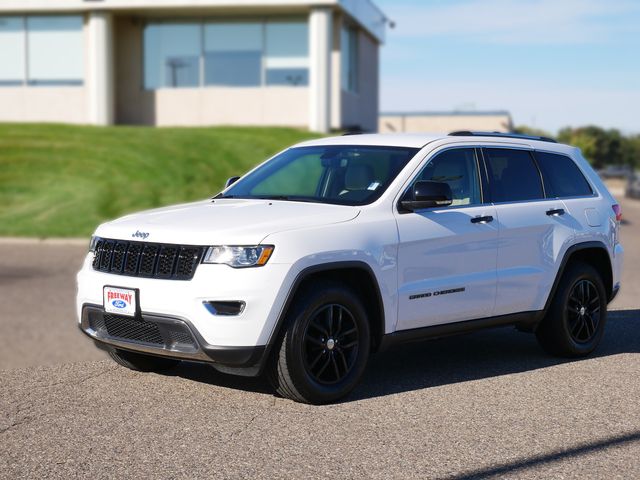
(459, 169)
(562, 177)
(513, 174)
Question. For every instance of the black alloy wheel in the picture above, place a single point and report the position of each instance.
(324, 346)
(583, 311)
(574, 323)
(331, 343)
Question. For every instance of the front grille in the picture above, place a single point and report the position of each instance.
(127, 328)
(142, 259)
(170, 334)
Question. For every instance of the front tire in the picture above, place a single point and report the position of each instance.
(574, 324)
(142, 363)
(325, 347)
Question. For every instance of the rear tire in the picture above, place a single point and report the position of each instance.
(324, 349)
(574, 324)
(142, 363)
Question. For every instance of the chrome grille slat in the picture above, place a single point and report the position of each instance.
(145, 259)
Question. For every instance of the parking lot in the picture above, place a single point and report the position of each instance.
(488, 404)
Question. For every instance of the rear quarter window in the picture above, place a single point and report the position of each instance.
(562, 177)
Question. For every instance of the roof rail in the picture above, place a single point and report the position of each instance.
(352, 132)
(468, 133)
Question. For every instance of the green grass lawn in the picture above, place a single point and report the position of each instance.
(61, 180)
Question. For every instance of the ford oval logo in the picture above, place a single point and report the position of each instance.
(119, 304)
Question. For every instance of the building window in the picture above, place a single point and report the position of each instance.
(172, 55)
(287, 53)
(349, 56)
(42, 50)
(234, 54)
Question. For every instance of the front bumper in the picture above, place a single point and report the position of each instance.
(165, 336)
(263, 291)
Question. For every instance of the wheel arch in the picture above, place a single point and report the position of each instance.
(357, 274)
(593, 253)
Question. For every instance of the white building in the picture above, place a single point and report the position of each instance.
(488, 121)
(300, 63)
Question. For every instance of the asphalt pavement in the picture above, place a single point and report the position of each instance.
(482, 405)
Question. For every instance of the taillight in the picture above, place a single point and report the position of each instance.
(618, 211)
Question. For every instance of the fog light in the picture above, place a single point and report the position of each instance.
(225, 309)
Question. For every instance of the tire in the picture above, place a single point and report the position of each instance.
(324, 349)
(142, 363)
(574, 324)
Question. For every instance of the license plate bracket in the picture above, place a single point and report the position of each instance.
(121, 301)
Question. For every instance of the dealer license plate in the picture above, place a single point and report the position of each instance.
(121, 301)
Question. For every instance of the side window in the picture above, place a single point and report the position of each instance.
(513, 175)
(562, 177)
(459, 168)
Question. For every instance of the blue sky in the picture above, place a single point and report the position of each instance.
(551, 63)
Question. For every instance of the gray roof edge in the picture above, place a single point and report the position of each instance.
(454, 113)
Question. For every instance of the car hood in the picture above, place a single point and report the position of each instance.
(224, 221)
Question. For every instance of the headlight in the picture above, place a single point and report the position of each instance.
(239, 257)
(92, 244)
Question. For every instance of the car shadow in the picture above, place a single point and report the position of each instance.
(454, 359)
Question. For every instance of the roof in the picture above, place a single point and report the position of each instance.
(419, 140)
(363, 12)
(455, 113)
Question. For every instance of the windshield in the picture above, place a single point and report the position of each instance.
(345, 175)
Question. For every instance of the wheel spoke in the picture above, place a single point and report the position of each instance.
(330, 320)
(324, 366)
(318, 328)
(344, 360)
(339, 329)
(349, 345)
(349, 332)
(577, 328)
(591, 324)
(314, 340)
(316, 360)
(335, 366)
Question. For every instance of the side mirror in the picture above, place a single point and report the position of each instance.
(231, 181)
(428, 195)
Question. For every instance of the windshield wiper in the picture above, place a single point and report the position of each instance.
(287, 198)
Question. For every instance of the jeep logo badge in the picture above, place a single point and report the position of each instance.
(139, 234)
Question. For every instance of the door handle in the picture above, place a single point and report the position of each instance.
(486, 219)
(555, 212)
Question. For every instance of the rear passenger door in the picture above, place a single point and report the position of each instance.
(533, 230)
(564, 180)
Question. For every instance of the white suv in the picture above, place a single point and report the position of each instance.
(340, 247)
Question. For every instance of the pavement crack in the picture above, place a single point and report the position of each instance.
(246, 426)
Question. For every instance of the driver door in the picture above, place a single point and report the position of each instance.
(447, 255)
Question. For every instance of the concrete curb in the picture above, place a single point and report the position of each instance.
(43, 241)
